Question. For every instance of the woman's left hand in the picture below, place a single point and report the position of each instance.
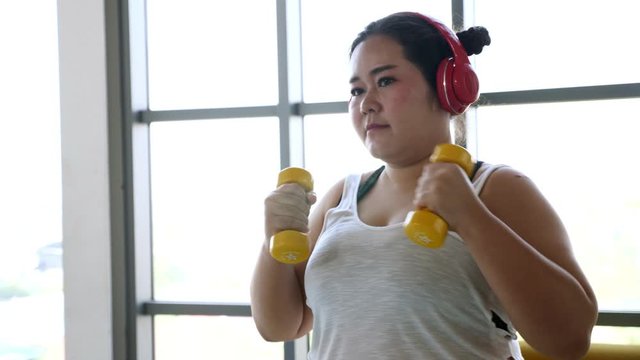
(445, 189)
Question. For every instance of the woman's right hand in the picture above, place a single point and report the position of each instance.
(287, 208)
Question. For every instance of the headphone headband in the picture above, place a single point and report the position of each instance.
(457, 83)
(459, 53)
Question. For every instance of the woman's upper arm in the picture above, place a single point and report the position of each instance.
(517, 201)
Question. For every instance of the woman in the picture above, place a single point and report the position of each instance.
(370, 293)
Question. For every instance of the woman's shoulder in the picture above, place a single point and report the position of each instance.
(502, 173)
(507, 186)
(333, 195)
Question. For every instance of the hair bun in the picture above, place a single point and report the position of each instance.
(474, 39)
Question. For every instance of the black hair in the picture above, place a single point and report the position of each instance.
(423, 45)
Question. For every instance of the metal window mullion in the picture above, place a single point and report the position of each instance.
(195, 308)
(289, 82)
(150, 116)
(585, 93)
(619, 318)
(337, 107)
(605, 317)
(297, 350)
(291, 123)
(134, 185)
(579, 93)
(458, 18)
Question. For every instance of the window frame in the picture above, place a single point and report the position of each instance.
(133, 304)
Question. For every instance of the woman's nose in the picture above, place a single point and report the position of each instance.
(369, 104)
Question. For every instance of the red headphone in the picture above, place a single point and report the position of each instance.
(456, 81)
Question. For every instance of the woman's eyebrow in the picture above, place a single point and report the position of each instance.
(375, 71)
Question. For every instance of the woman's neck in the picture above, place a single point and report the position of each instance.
(404, 177)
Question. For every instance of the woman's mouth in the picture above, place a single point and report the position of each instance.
(371, 127)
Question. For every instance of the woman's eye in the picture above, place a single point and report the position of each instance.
(356, 91)
(385, 81)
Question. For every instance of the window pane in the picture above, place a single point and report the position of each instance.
(583, 157)
(31, 297)
(218, 337)
(333, 150)
(548, 43)
(206, 54)
(209, 179)
(325, 44)
(616, 335)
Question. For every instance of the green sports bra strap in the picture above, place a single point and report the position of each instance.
(368, 184)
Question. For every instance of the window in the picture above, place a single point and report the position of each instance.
(31, 296)
(211, 337)
(552, 44)
(235, 95)
(555, 144)
(205, 241)
(206, 54)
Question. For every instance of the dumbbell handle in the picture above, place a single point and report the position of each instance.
(290, 246)
(427, 228)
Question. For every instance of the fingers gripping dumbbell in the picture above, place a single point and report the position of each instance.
(424, 227)
(291, 246)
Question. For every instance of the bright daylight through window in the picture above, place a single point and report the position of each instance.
(31, 299)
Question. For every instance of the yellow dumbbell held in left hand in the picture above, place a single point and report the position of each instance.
(425, 227)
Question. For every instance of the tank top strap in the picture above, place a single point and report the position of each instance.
(349, 192)
(481, 180)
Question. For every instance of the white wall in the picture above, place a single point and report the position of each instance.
(85, 180)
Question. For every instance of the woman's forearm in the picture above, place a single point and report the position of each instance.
(277, 303)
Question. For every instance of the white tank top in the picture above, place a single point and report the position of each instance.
(377, 295)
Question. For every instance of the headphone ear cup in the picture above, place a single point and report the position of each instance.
(465, 83)
(444, 86)
(457, 85)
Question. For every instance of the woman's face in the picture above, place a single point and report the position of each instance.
(393, 110)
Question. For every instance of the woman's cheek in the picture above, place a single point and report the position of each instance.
(399, 98)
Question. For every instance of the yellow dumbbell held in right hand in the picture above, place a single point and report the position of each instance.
(290, 246)
(424, 227)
